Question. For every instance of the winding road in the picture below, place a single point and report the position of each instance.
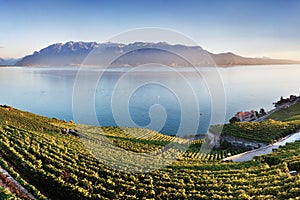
(246, 156)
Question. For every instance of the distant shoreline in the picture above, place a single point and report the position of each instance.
(217, 66)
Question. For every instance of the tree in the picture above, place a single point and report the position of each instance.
(234, 119)
(262, 111)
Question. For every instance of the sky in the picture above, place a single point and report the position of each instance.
(253, 28)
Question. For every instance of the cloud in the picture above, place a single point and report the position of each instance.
(1, 47)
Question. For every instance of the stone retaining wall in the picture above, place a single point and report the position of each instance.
(14, 185)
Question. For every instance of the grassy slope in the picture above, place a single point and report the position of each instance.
(287, 114)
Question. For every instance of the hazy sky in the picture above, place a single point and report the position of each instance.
(253, 28)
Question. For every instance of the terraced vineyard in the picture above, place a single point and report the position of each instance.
(290, 154)
(265, 131)
(59, 166)
(5, 194)
(213, 156)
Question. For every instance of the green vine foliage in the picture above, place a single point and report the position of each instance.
(58, 166)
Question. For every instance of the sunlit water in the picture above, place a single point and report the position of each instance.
(48, 92)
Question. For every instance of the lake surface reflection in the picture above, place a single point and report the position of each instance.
(163, 98)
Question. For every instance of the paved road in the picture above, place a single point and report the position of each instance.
(246, 156)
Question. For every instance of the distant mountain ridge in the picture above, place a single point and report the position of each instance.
(8, 61)
(138, 53)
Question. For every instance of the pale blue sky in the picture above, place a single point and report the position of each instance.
(247, 27)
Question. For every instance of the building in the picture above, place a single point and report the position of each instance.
(246, 116)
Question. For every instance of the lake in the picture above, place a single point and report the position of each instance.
(162, 99)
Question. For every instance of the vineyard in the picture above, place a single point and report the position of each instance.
(290, 154)
(265, 131)
(59, 166)
(5, 194)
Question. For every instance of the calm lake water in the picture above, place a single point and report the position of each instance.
(167, 100)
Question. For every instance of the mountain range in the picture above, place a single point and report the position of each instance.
(8, 61)
(134, 54)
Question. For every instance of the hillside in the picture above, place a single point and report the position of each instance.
(57, 165)
(287, 114)
(265, 131)
(138, 53)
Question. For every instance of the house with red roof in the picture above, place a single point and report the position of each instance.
(246, 116)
